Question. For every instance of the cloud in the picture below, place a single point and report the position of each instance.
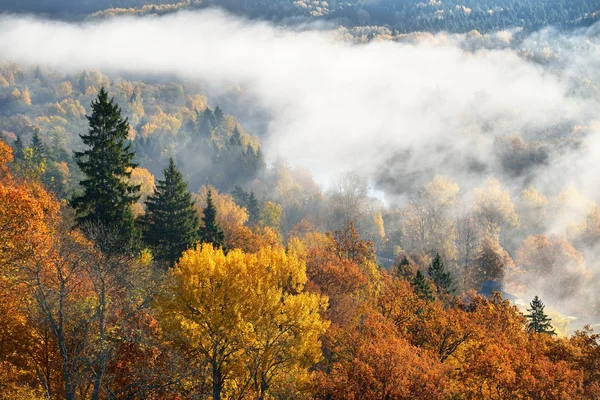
(332, 105)
(398, 112)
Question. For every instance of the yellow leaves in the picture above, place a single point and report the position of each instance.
(65, 89)
(246, 313)
(91, 91)
(379, 225)
(494, 207)
(196, 103)
(144, 178)
(428, 220)
(23, 95)
(162, 122)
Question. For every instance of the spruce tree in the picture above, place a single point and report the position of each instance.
(219, 116)
(538, 320)
(171, 221)
(236, 138)
(38, 148)
(402, 270)
(439, 275)
(421, 286)
(18, 148)
(82, 82)
(211, 232)
(253, 209)
(240, 196)
(107, 164)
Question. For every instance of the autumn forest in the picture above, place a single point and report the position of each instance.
(299, 200)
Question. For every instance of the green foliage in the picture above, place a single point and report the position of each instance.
(240, 195)
(421, 286)
(171, 221)
(37, 146)
(107, 164)
(538, 320)
(18, 148)
(253, 209)
(440, 276)
(211, 232)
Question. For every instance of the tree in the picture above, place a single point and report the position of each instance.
(107, 164)
(441, 277)
(421, 286)
(240, 196)
(428, 223)
(551, 265)
(18, 148)
(211, 232)
(538, 320)
(38, 147)
(253, 209)
(271, 215)
(171, 221)
(219, 115)
(245, 316)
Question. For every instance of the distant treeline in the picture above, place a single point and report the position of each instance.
(400, 15)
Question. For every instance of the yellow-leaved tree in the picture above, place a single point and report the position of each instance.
(245, 319)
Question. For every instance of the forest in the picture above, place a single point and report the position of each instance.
(122, 283)
(400, 203)
(403, 16)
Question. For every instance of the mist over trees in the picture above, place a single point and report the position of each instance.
(153, 246)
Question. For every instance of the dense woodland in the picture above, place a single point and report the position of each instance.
(148, 251)
(399, 15)
(121, 283)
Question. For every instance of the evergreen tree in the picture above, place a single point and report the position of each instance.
(439, 275)
(211, 232)
(171, 221)
(240, 196)
(253, 209)
(402, 270)
(82, 82)
(236, 138)
(18, 148)
(207, 122)
(37, 146)
(107, 164)
(219, 116)
(421, 286)
(538, 320)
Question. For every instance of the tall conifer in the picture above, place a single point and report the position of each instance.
(107, 164)
(538, 320)
(171, 221)
(211, 232)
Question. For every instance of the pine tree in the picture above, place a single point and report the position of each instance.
(402, 270)
(211, 232)
(439, 275)
(107, 164)
(219, 116)
(37, 146)
(421, 286)
(236, 138)
(171, 221)
(240, 196)
(18, 148)
(82, 82)
(207, 122)
(253, 209)
(538, 320)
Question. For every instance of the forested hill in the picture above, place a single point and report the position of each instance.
(400, 15)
